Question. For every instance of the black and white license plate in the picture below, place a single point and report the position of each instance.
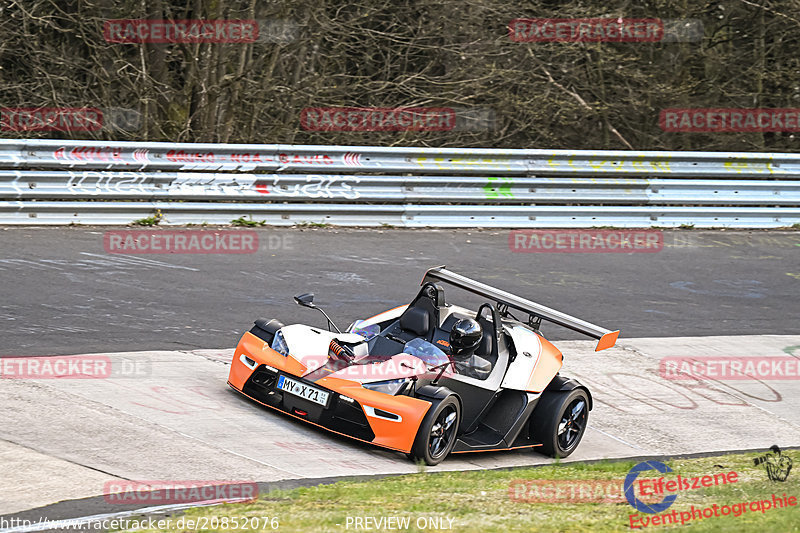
(302, 390)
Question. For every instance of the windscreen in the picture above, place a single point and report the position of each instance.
(426, 351)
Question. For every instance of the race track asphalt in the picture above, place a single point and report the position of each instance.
(63, 294)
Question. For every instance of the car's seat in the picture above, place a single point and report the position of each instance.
(417, 321)
(420, 319)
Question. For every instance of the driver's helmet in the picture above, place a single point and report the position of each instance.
(465, 337)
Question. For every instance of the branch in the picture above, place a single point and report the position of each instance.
(581, 101)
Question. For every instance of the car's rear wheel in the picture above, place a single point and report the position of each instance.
(437, 433)
(559, 421)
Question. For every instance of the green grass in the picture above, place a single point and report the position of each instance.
(149, 221)
(241, 221)
(312, 225)
(479, 500)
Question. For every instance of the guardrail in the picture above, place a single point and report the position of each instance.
(96, 182)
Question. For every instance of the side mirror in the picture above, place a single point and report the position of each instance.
(305, 299)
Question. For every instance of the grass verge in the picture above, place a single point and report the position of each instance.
(481, 501)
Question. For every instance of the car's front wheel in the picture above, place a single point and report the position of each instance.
(437, 433)
(559, 421)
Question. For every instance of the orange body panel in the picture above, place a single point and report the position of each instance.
(260, 352)
(392, 434)
(607, 341)
(386, 312)
(397, 435)
(550, 361)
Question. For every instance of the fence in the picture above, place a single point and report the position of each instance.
(97, 182)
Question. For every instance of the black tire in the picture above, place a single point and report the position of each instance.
(437, 433)
(564, 411)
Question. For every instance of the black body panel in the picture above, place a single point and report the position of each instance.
(340, 415)
(474, 400)
(562, 383)
(265, 329)
(502, 425)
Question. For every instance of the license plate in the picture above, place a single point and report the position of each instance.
(302, 390)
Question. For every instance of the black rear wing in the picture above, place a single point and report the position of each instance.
(537, 312)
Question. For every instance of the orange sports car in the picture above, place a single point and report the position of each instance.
(429, 378)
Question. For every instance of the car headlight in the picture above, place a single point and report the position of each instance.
(392, 386)
(279, 344)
